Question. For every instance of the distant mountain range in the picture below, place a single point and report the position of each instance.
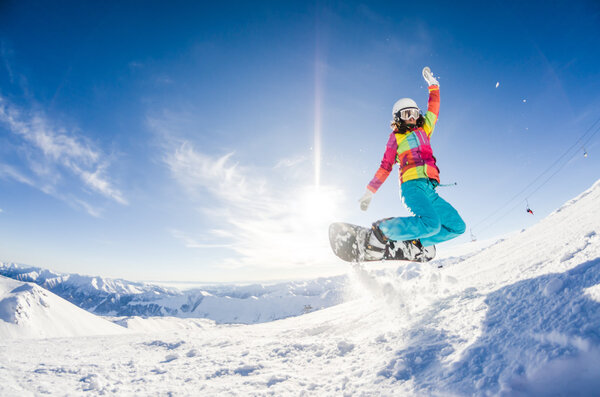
(224, 304)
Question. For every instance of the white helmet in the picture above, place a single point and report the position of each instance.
(404, 103)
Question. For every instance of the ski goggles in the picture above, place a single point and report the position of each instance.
(406, 114)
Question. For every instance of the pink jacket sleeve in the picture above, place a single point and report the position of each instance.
(389, 159)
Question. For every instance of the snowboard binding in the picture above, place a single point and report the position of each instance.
(354, 243)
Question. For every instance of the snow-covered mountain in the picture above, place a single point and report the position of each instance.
(28, 311)
(224, 303)
(519, 318)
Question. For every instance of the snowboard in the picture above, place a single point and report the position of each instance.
(351, 244)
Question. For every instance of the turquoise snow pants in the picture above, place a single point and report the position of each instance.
(434, 220)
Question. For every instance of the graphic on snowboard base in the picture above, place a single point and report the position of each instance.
(351, 243)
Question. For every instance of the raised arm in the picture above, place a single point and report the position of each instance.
(433, 106)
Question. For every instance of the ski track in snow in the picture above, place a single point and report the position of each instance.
(519, 318)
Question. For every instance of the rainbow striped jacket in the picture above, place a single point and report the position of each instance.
(411, 150)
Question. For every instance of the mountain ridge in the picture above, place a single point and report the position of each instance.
(121, 298)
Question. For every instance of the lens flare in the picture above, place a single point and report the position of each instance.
(317, 122)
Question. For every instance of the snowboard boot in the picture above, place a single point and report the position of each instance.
(368, 247)
(376, 243)
(378, 234)
(418, 252)
(414, 248)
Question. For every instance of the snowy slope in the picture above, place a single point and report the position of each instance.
(28, 311)
(520, 318)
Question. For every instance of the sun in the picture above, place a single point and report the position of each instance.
(318, 204)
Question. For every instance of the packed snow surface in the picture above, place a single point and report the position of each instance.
(519, 318)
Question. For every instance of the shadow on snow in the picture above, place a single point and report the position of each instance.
(540, 336)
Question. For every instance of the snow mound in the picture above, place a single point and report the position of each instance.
(29, 311)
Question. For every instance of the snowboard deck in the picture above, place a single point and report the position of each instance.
(349, 242)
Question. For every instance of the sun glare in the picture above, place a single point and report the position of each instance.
(318, 205)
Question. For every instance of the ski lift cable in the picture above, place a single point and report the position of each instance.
(511, 209)
(574, 145)
(589, 139)
(539, 176)
(560, 168)
(536, 189)
(533, 182)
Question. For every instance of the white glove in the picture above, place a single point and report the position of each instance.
(365, 200)
(428, 76)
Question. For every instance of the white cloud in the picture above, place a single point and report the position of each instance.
(7, 54)
(74, 201)
(195, 170)
(97, 182)
(264, 225)
(290, 162)
(191, 242)
(9, 172)
(53, 153)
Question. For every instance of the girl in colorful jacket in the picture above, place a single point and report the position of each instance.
(434, 220)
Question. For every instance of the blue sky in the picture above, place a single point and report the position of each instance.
(183, 141)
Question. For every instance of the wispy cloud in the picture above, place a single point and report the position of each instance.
(195, 242)
(9, 172)
(265, 225)
(52, 153)
(290, 162)
(5, 54)
(195, 170)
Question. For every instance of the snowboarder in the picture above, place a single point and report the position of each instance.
(434, 220)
